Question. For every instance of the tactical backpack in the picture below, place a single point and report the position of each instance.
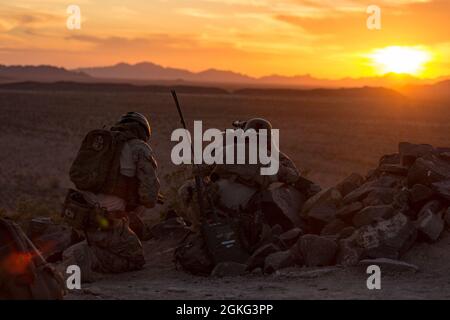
(98, 157)
(24, 273)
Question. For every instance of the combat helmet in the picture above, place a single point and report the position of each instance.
(138, 118)
(257, 124)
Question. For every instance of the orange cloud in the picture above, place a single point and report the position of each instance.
(326, 38)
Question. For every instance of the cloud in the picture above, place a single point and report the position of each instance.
(416, 23)
(321, 37)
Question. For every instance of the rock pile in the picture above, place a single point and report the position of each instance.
(404, 200)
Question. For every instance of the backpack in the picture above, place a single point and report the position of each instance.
(24, 273)
(98, 157)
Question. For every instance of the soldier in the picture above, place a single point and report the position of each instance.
(232, 186)
(130, 185)
(287, 171)
(237, 190)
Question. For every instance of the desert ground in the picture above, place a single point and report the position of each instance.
(328, 138)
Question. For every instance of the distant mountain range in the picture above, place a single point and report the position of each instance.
(39, 73)
(439, 90)
(147, 73)
(151, 71)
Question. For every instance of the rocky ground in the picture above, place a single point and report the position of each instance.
(396, 217)
(327, 138)
(160, 280)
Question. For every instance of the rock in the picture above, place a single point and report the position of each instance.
(350, 183)
(401, 200)
(409, 152)
(313, 273)
(170, 228)
(256, 260)
(296, 254)
(229, 269)
(431, 226)
(371, 175)
(393, 158)
(317, 250)
(346, 232)
(443, 150)
(281, 204)
(419, 193)
(393, 169)
(372, 214)
(444, 154)
(390, 265)
(430, 223)
(347, 212)
(386, 239)
(360, 193)
(289, 238)
(307, 187)
(277, 261)
(330, 194)
(434, 206)
(348, 253)
(379, 196)
(322, 209)
(429, 169)
(51, 238)
(277, 230)
(442, 188)
(333, 228)
(319, 216)
(447, 217)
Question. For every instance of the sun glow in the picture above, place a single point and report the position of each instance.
(396, 59)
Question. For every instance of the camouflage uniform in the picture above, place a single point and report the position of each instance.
(114, 247)
(137, 160)
(234, 184)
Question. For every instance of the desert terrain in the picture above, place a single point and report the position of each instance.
(328, 138)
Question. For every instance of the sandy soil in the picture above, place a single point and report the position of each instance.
(327, 138)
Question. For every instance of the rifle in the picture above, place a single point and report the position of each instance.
(222, 240)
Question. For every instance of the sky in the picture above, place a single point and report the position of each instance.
(326, 39)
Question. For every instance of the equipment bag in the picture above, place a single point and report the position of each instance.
(81, 214)
(98, 157)
(24, 273)
(192, 255)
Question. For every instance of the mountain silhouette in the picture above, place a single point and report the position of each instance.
(152, 71)
(43, 73)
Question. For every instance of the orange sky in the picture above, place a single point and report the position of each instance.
(327, 38)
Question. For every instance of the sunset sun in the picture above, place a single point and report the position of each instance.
(397, 59)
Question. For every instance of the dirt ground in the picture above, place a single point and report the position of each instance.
(327, 138)
(160, 280)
